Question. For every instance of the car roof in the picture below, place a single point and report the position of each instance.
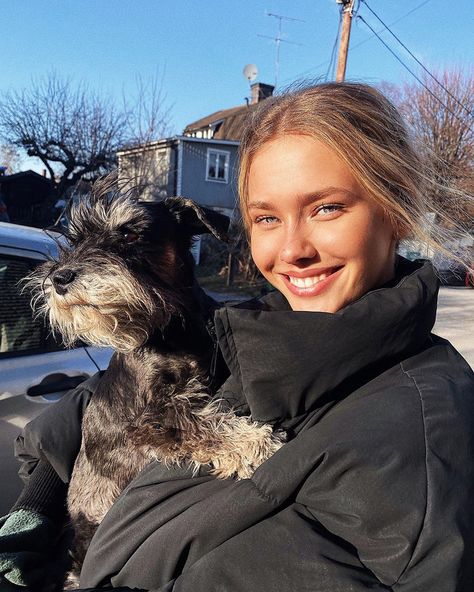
(28, 238)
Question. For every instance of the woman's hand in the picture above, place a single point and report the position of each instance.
(29, 554)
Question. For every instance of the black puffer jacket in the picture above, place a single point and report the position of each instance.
(373, 491)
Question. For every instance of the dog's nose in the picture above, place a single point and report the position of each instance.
(61, 279)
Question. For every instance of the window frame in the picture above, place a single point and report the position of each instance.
(218, 152)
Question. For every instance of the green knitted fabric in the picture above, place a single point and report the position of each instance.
(28, 557)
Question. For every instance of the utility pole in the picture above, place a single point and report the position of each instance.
(347, 6)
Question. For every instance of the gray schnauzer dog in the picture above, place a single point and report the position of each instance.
(127, 281)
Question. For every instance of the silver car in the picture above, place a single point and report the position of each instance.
(35, 369)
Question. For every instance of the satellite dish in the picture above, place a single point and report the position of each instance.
(250, 72)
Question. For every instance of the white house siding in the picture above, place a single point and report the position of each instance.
(152, 169)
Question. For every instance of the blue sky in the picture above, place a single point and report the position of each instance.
(200, 47)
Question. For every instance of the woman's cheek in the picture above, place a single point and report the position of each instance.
(336, 239)
(263, 250)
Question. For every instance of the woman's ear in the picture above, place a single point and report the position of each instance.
(398, 232)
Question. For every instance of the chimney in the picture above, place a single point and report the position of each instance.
(260, 91)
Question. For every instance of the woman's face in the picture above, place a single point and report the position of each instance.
(314, 234)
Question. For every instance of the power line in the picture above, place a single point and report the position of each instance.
(409, 70)
(357, 44)
(418, 61)
(391, 24)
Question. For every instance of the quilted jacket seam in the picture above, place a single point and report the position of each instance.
(425, 439)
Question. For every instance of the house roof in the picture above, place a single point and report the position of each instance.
(228, 123)
(24, 174)
(213, 118)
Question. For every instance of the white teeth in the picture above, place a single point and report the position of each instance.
(307, 282)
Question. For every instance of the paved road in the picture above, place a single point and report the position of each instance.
(455, 320)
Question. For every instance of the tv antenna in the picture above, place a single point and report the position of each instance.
(278, 39)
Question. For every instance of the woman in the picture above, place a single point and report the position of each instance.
(373, 489)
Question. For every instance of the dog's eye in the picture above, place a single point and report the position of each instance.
(130, 236)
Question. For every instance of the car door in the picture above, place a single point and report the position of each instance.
(35, 369)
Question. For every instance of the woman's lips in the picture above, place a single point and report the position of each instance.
(311, 285)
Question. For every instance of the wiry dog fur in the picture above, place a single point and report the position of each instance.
(127, 281)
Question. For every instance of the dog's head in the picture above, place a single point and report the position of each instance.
(127, 270)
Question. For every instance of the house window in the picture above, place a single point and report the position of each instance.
(217, 168)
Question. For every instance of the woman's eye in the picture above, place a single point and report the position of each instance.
(328, 209)
(266, 220)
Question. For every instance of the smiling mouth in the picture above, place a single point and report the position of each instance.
(311, 285)
(308, 282)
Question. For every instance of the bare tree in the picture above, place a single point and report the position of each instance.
(143, 165)
(71, 129)
(442, 120)
(147, 114)
(10, 157)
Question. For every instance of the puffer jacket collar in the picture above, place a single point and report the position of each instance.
(289, 363)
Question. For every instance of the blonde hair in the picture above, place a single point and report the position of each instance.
(368, 134)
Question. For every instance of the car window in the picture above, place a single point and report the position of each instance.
(20, 332)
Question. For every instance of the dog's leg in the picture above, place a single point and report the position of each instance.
(197, 430)
(237, 446)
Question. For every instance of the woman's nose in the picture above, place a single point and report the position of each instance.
(298, 246)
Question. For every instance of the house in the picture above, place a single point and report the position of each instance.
(27, 196)
(201, 169)
(201, 164)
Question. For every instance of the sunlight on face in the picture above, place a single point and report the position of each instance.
(315, 236)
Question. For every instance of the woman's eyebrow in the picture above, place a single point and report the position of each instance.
(304, 197)
(259, 205)
(323, 193)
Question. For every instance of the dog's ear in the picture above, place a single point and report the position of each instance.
(195, 219)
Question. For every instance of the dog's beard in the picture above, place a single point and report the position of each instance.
(111, 309)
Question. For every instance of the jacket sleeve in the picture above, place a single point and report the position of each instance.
(270, 557)
(47, 449)
(55, 435)
(205, 534)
